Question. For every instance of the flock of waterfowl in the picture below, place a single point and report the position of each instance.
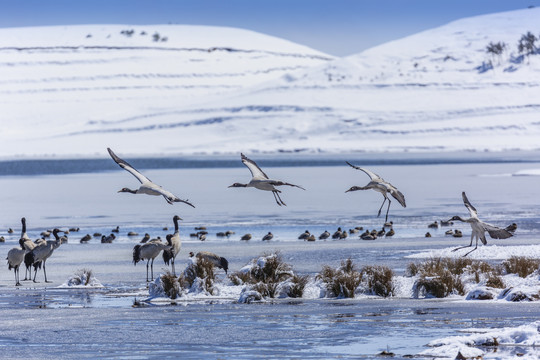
(35, 253)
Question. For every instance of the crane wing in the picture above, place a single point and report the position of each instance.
(469, 206)
(398, 196)
(256, 171)
(279, 183)
(371, 174)
(496, 232)
(126, 166)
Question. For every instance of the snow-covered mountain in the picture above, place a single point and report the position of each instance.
(172, 89)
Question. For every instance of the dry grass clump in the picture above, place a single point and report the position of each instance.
(439, 277)
(266, 275)
(171, 286)
(495, 281)
(343, 281)
(198, 276)
(412, 269)
(521, 265)
(440, 285)
(436, 266)
(274, 270)
(378, 279)
(299, 282)
(240, 278)
(200, 272)
(481, 269)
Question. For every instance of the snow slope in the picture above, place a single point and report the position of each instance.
(219, 90)
(60, 84)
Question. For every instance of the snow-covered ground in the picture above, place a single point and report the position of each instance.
(76, 90)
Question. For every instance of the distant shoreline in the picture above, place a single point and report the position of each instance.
(73, 165)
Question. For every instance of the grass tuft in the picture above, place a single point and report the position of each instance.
(521, 265)
(171, 286)
(440, 277)
(343, 281)
(299, 282)
(200, 272)
(379, 280)
(266, 275)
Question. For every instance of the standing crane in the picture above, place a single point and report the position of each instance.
(174, 243)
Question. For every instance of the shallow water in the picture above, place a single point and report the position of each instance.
(102, 323)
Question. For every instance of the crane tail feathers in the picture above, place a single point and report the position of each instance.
(167, 256)
(224, 264)
(136, 254)
(29, 259)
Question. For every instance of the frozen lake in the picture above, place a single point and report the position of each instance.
(45, 321)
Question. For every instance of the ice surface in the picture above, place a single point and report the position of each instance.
(311, 327)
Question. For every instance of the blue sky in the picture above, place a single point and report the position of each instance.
(337, 27)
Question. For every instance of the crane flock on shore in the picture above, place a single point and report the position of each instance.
(34, 254)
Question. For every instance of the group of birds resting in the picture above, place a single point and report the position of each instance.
(36, 253)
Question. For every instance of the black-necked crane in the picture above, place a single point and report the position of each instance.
(378, 184)
(28, 245)
(261, 181)
(479, 227)
(15, 258)
(149, 251)
(147, 186)
(216, 260)
(175, 243)
(43, 251)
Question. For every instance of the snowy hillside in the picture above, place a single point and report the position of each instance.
(432, 91)
(76, 90)
(60, 83)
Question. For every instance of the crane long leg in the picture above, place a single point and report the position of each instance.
(45, 273)
(463, 247)
(279, 197)
(387, 210)
(173, 270)
(35, 273)
(275, 198)
(147, 261)
(476, 247)
(379, 213)
(17, 282)
(152, 268)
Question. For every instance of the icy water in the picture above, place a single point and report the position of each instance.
(45, 321)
